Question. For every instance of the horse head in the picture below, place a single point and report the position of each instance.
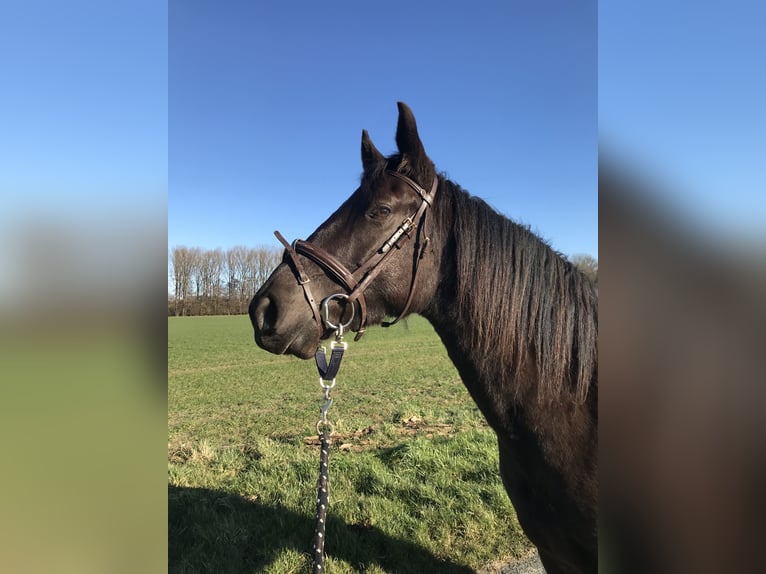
(371, 259)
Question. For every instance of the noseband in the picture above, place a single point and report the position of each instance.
(356, 283)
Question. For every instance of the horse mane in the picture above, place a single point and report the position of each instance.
(524, 301)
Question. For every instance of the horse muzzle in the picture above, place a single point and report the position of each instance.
(284, 324)
(279, 330)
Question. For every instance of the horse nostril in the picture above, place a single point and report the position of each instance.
(264, 315)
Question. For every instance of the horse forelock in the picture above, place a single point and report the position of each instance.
(401, 163)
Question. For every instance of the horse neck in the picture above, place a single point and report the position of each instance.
(507, 391)
(554, 434)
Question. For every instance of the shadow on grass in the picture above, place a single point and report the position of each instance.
(212, 531)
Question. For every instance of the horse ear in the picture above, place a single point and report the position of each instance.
(407, 139)
(370, 154)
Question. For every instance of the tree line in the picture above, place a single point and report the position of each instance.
(217, 281)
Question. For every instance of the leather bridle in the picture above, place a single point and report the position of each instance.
(357, 281)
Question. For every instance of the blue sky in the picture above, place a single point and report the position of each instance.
(84, 106)
(267, 101)
(230, 118)
(682, 98)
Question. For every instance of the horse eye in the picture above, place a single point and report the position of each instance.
(379, 212)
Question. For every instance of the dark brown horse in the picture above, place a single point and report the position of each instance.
(518, 320)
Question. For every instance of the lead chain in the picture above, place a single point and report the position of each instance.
(325, 430)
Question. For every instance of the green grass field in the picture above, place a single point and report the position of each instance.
(414, 484)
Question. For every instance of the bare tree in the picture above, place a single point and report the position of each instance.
(587, 264)
(183, 263)
(195, 255)
(212, 281)
(232, 281)
(268, 259)
(215, 268)
(210, 265)
(240, 257)
(171, 276)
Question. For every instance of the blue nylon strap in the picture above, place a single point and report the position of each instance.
(328, 372)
